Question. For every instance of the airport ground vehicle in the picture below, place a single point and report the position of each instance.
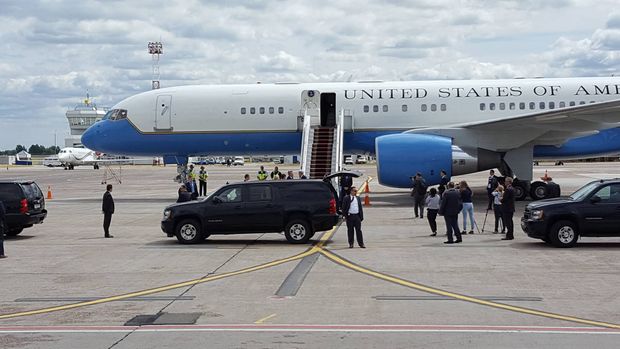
(361, 159)
(298, 207)
(238, 161)
(24, 203)
(348, 160)
(593, 210)
(52, 161)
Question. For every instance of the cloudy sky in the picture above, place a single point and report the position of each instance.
(54, 51)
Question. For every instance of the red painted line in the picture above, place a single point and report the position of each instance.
(292, 328)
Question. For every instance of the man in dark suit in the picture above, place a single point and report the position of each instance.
(443, 183)
(508, 208)
(2, 227)
(346, 182)
(450, 207)
(353, 212)
(108, 210)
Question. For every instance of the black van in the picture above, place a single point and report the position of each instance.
(298, 207)
(24, 203)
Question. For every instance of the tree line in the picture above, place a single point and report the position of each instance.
(34, 149)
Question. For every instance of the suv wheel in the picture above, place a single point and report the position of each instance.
(189, 232)
(14, 232)
(297, 231)
(564, 234)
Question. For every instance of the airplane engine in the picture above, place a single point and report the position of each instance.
(401, 156)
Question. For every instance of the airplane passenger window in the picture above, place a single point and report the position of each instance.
(272, 110)
(522, 105)
(513, 106)
(252, 110)
(582, 103)
(482, 106)
(433, 107)
(541, 105)
(280, 110)
(385, 108)
(551, 105)
(502, 106)
(443, 107)
(572, 104)
(375, 108)
(261, 110)
(562, 104)
(491, 106)
(592, 102)
(423, 107)
(243, 110)
(366, 109)
(532, 105)
(404, 107)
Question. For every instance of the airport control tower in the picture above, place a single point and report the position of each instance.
(81, 117)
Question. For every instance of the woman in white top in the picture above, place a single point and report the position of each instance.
(432, 207)
(497, 208)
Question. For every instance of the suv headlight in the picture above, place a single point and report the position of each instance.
(167, 215)
(537, 215)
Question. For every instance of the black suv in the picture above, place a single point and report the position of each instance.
(593, 210)
(298, 207)
(24, 203)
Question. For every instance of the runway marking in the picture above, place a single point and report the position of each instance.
(396, 280)
(312, 328)
(260, 321)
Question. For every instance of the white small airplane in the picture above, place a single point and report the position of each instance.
(71, 157)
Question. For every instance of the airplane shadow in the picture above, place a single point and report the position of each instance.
(19, 237)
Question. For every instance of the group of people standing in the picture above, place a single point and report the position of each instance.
(274, 175)
(450, 200)
(190, 190)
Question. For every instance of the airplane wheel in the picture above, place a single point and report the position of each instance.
(539, 190)
(520, 190)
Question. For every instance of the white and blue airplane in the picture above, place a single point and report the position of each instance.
(412, 126)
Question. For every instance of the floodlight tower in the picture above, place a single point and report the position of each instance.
(155, 49)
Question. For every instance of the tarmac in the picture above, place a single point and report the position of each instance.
(65, 286)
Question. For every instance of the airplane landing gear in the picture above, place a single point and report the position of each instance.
(539, 190)
(521, 189)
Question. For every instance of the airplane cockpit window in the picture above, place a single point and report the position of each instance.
(116, 114)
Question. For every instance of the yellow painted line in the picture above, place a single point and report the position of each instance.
(314, 249)
(265, 319)
(339, 260)
(308, 252)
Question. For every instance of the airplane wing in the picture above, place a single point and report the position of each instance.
(551, 127)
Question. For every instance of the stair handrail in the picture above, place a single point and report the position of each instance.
(305, 167)
(339, 141)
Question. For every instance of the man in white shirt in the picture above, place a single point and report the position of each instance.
(354, 214)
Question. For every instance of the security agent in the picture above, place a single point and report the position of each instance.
(262, 174)
(354, 214)
(202, 179)
(2, 228)
(449, 208)
(107, 208)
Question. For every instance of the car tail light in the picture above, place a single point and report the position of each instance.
(332, 206)
(23, 206)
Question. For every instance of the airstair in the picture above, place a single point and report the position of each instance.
(322, 135)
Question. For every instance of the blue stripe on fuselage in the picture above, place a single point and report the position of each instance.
(120, 137)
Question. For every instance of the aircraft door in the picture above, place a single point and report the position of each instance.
(328, 109)
(163, 113)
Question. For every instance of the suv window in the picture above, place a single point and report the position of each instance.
(260, 193)
(10, 191)
(316, 191)
(231, 195)
(609, 193)
(32, 191)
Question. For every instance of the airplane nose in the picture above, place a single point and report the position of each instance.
(90, 137)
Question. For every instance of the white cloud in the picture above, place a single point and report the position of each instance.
(53, 51)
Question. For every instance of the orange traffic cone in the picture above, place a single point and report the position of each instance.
(49, 193)
(367, 187)
(545, 177)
